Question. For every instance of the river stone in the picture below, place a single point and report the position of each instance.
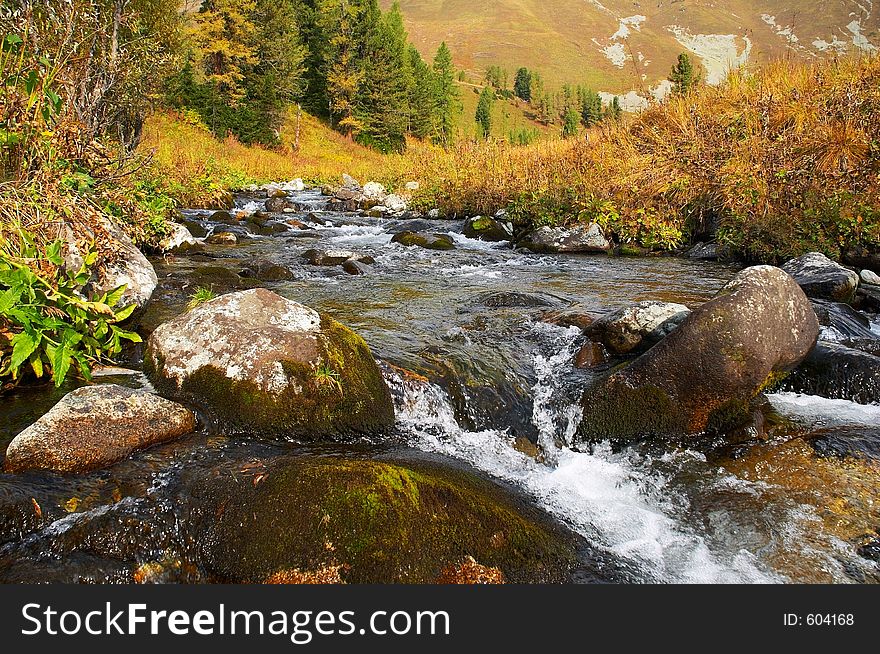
(277, 204)
(820, 277)
(96, 426)
(579, 238)
(222, 238)
(840, 323)
(837, 372)
(356, 267)
(870, 277)
(488, 229)
(263, 363)
(128, 267)
(267, 271)
(424, 240)
(374, 191)
(395, 203)
(334, 257)
(350, 182)
(384, 522)
(703, 375)
(178, 240)
(638, 327)
(704, 252)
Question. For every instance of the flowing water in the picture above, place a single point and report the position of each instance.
(502, 396)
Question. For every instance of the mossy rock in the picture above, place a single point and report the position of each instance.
(263, 364)
(424, 240)
(704, 375)
(382, 522)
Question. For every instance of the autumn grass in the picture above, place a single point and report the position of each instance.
(198, 169)
(774, 162)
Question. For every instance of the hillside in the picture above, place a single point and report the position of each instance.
(621, 45)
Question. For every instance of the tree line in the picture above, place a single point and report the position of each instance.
(247, 61)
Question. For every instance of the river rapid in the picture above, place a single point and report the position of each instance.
(502, 399)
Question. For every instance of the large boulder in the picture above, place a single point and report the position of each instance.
(584, 239)
(375, 191)
(488, 229)
(838, 372)
(96, 426)
(382, 522)
(820, 277)
(424, 240)
(395, 203)
(262, 363)
(129, 267)
(705, 373)
(637, 327)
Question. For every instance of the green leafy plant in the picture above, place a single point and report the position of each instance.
(47, 326)
(327, 377)
(200, 296)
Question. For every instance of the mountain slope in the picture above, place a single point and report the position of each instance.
(619, 45)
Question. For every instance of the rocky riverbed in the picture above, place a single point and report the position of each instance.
(383, 397)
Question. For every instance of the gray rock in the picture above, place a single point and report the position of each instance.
(96, 426)
(424, 240)
(838, 372)
(267, 271)
(704, 375)
(870, 277)
(178, 240)
(265, 364)
(222, 238)
(637, 327)
(585, 239)
(350, 182)
(374, 191)
(488, 229)
(820, 277)
(335, 257)
(395, 203)
(355, 267)
(703, 251)
(129, 267)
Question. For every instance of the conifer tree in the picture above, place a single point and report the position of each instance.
(343, 70)
(223, 37)
(591, 107)
(383, 101)
(445, 95)
(570, 123)
(683, 76)
(421, 95)
(522, 84)
(484, 112)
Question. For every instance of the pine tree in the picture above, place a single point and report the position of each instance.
(614, 111)
(343, 73)
(591, 107)
(484, 112)
(421, 95)
(383, 101)
(570, 123)
(522, 84)
(445, 95)
(683, 76)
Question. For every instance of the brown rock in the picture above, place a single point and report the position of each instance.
(96, 426)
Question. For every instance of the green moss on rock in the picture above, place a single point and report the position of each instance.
(384, 522)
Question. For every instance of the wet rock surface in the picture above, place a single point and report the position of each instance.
(704, 374)
(822, 278)
(586, 239)
(94, 427)
(268, 364)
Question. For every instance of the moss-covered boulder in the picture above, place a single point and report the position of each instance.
(265, 364)
(424, 240)
(488, 229)
(381, 522)
(705, 373)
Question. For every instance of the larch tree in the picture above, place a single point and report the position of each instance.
(445, 95)
(484, 112)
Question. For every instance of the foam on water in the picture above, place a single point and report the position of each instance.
(607, 497)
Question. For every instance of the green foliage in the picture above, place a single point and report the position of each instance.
(200, 297)
(47, 328)
(484, 112)
(522, 84)
(591, 107)
(570, 123)
(523, 136)
(496, 77)
(683, 76)
(326, 377)
(445, 95)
